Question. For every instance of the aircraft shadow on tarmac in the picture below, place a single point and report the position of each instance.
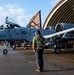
(68, 69)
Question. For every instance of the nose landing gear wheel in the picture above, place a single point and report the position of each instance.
(5, 51)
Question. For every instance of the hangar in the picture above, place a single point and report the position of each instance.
(63, 12)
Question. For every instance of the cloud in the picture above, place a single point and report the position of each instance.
(15, 12)
(19, 14)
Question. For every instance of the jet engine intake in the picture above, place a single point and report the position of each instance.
(63, 26)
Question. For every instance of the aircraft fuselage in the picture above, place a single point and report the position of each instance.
(22, 33)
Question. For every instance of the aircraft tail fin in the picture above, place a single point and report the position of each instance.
(35, 22)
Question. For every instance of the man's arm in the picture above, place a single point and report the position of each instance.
(33, 44)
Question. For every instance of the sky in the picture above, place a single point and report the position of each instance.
(23, 10)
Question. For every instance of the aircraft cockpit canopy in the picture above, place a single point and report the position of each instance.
(1, 27)
(11, 23)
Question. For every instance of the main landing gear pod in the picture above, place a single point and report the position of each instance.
(5, 51)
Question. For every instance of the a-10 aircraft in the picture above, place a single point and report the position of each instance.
(62, 33)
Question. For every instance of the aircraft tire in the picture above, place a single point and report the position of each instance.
(5, 51)
(58, 50)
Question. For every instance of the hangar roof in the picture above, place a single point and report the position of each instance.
(62, 12)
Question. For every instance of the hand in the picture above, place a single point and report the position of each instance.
(33, 50)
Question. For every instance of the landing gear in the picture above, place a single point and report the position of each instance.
(58, 50)
(6, 47)
(5, 51)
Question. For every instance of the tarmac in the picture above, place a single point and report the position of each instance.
(22, 62)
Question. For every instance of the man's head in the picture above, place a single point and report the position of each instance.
(38, 32)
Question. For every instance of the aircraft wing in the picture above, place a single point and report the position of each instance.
(58, 33)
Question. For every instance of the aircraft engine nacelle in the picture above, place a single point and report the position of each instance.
(63, 26)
